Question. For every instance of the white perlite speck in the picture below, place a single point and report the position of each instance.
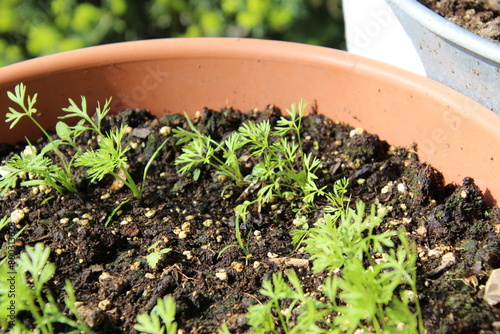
(492, 288)
(222, 275)
(16, 216)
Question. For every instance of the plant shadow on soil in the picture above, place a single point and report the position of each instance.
(114, 283)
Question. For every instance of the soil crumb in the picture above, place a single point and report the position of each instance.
(480, 17)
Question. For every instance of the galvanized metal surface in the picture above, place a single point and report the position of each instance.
(452, 55)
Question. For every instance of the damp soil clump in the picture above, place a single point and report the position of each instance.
(195, 218)
(480, 17)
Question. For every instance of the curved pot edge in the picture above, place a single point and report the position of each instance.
(109, 54)
(465, 114)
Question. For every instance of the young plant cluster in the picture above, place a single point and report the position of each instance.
(370, 286)
(283, 170)
(33, 168)
(30, 276)
(370, 283)
(33, 266)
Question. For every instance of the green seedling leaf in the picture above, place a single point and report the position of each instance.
(154, 257)
(63, 130)
(33, 296)
(161, 319)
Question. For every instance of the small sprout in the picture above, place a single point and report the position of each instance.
(161, 319)
(471, 281)
(154, 257)
(300, 221)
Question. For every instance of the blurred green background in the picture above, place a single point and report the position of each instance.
(32, 28)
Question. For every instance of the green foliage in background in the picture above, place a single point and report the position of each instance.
(32, 28)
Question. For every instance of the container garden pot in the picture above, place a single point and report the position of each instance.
(408, 34)
(454, 134)
(175, 75)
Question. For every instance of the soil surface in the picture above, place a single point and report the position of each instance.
(480, 17)
(114, 283)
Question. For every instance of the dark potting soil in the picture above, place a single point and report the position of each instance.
(114, 283)
(480, 17)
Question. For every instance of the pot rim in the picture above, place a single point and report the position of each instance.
(459, 115)
(449, 30)
(101, 56)
(92, 57)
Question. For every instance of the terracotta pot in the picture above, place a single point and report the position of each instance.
(453, 133)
